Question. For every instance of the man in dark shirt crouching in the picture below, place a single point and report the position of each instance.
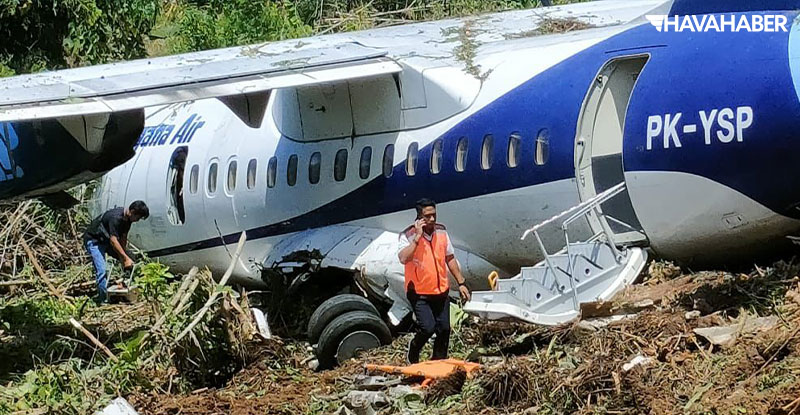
(111, 230)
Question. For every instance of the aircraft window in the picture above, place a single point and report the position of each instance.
(212, 178)
(193, 178)
(486, 152)
(340, 165)
(232, 176)
(272, 172)
(251, 173)
(314, 167)
(177, 166)
(365, 163)
(388, 160)
(291, 170)
(436, 156)
(542, 146)
(411, 159)
(461, 154)
(514, 141)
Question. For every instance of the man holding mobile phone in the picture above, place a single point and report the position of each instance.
(427, 254)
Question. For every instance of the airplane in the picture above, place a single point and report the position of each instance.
(639, 135)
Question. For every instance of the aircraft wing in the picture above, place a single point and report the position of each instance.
(62, 128)
(210, 74)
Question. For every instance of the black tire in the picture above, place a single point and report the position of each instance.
(334, 307)
(341, 327)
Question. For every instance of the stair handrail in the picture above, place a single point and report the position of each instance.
(583, 207)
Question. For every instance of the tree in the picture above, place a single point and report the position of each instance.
(40, 34)
(220, 23)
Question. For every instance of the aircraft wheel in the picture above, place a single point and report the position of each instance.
(349, 334)
(333, 307)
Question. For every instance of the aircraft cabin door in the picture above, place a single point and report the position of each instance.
(598, 146)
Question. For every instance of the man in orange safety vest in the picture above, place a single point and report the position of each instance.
(427, 254)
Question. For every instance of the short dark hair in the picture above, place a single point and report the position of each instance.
(140, 208)
(422, 204)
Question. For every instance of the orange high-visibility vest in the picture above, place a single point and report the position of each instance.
(427, 268)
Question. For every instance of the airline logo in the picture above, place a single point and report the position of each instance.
(8, 142)
(720, 23)
(163, 134)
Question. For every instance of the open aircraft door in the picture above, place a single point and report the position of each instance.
(598, 146)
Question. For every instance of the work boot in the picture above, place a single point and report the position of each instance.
(412, 356)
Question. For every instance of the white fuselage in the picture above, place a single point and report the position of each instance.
(316, 174)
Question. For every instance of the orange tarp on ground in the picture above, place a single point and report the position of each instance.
(432, 369)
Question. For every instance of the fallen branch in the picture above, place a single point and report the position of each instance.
(213, 298)
(790, 405)
(184, 285)
(175, 299)
(16, 282)
(44, 237)
(774, 355)
(93, 339)
(39, 270)
(188, 295)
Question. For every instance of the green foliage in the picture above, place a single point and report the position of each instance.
(315, 13)
(124, 373)
(40, 34)
(50, 311)
(152, 281)
(72, 387)
(220, 23)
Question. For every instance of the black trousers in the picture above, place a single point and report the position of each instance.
(433, 317)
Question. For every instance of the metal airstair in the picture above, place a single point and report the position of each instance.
(551, 291)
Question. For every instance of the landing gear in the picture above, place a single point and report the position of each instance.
(333, 307)
(344, 326)
(350, 334)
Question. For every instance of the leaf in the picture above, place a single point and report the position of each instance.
(697, 395)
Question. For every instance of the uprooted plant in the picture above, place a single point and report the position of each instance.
(193, 333)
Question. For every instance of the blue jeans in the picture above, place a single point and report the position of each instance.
(98, 254)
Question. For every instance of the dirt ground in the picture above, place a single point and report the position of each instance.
(577, 368)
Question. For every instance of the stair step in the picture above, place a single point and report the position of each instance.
(551, 291)
(537, 296)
